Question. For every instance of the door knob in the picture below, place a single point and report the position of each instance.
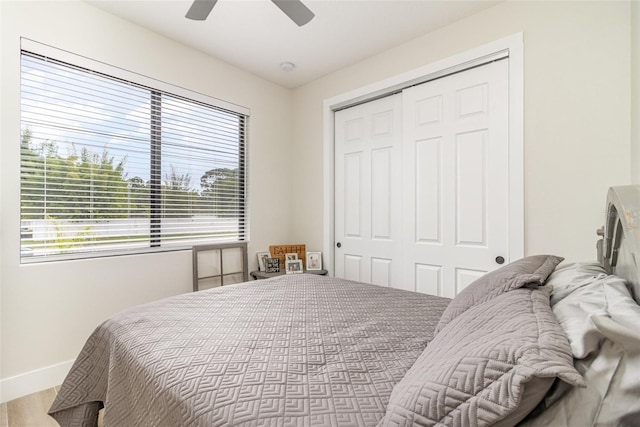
(339, 244)
(500, 260)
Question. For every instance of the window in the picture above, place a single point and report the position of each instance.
(219, 265)
(112, 166)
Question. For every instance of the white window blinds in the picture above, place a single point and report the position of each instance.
(110, 166)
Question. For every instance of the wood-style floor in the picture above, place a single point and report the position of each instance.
(31, 410)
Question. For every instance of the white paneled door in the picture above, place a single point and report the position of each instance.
(368, 178)
(428, 208)
(456, 177)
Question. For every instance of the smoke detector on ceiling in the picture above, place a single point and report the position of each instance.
(287, 66)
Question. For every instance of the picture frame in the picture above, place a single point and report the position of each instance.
(272, 265)
(262, 256)
(291, 256)
(294, 266)
(280, 251)
(314, 261)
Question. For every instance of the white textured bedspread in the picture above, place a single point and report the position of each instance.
(297, 350)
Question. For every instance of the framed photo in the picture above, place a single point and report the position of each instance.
(293, 266)
(262, 256)
(272, 265)
(314, 260)
(280, 251)
(291, 256)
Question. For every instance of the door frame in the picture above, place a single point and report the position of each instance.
(511, 46)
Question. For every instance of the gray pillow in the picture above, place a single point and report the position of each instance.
(531, 271)
(490, 366)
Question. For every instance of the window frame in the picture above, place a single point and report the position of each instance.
(221, 249)
(156, 88)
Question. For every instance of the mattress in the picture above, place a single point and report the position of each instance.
(293, 350)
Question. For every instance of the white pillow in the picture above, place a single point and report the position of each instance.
(569, 276)
(622, 308)
(612, 373)
(622, 396)
(587, 298)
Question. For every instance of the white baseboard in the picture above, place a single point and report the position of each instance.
(34, 381)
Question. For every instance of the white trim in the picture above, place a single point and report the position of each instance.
(111, 70)
(328, 160)
(514, 48)
(34, 381)
(495, 56)
(516, 148)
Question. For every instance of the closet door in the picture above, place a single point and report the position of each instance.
(455, 179)
(368, 156)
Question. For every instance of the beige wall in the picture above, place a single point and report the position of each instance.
(577, 114)
(48, 310)
(635, 91)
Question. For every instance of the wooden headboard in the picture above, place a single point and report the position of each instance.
(619, 249)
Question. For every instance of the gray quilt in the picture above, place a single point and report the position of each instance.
(296, 350)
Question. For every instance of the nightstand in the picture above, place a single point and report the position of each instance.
(257, 275)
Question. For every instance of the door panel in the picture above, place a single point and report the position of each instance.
(353, 181)
(455, 151)
(464, 277)
(352, 267)
(471, 179)
(428, 278)
(381, 271)
(367, 193)
(428, 184)
(381, 193)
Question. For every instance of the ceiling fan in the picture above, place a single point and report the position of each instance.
(294, 9)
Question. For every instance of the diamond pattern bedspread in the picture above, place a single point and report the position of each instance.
(296, 350)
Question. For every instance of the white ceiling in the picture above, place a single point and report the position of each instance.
(256, 36)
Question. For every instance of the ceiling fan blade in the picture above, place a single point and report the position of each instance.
(296, 10)
(200, 9)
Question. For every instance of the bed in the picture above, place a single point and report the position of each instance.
(534, 343)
